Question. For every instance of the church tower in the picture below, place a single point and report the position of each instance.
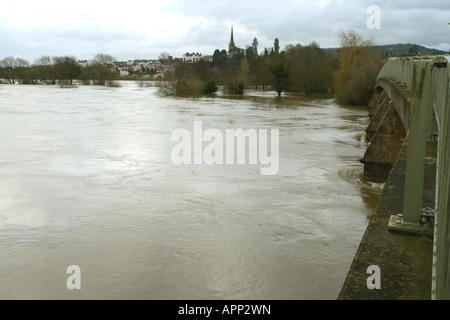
(231, 46)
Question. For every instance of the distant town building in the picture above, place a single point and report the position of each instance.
(157, 68)
(196, 57)
(167, 61)
(192, 57)
(123, 72)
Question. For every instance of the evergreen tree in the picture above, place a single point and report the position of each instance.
(255, 47)
(281, 77)
(276, 46)
(249, 54)
(413, 51)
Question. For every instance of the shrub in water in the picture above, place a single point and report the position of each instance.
(210, 88)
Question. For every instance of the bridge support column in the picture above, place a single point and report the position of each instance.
(386, 135)
(412, 220)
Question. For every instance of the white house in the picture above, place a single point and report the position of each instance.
(192, 57)
(123, 72)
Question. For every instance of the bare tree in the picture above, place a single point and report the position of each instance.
(43, 61)
(45, 69)
(12, 68)
(164, 56)
(66, 68)
(103, 59)
(102, 68)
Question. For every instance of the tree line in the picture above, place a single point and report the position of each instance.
(349, 72)
(62, 70)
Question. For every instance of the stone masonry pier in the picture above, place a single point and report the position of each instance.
(407, 239)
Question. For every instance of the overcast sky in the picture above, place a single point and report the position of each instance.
(135, 29)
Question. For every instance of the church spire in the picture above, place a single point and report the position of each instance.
(231, 46)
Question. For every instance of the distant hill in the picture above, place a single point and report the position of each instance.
(407, 49)
(403, 49)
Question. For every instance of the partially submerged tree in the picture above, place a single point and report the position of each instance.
(45, 69)
(102, 66)
(66, 69)
(210, 88)
(310, 68)
(281, 77)
(12, 69)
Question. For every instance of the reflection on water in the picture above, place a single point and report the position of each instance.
(87, 180)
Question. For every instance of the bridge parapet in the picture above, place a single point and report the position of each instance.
(401, 70)
(426, 82)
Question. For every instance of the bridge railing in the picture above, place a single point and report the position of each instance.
(427, 79)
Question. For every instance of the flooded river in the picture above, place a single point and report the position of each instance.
(87, 179)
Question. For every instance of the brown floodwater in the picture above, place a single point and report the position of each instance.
(87, 179)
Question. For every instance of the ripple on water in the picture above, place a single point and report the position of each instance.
(101, 179)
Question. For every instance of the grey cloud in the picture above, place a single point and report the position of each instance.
(422, 22)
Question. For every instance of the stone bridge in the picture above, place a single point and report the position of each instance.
(408, 236)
